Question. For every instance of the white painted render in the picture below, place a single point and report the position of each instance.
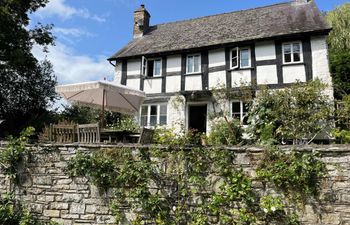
(133, 83)
(239, 77)
(174, 63)
(216, 58)
(193, 82)
(320, 64)
(294, 73)
(152, 86)
(118, 72)
(134, 67)
(267, 74)
(173, 83)
(265, 50)
(217, 79)
(176, 113)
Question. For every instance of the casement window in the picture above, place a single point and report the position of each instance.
(292, 52)
(193, 64)
(240, 58)
(151, 67)
(239, 110)
(153, 115)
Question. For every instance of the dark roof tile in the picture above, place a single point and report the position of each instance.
(252, 24)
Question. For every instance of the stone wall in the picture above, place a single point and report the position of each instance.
(51, 194)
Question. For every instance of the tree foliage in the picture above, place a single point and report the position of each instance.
(296, 113)
(339, 43)
(26, 85)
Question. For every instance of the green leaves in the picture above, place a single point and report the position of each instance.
(12, 157)
(297, 174)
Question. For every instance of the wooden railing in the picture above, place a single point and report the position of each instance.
(62, 133)
(88, 133)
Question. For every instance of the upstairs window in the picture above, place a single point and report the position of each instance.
(240, 58)
(239, 110)
(193, 64)
(292, 52)
(153, 115)
(151, 67)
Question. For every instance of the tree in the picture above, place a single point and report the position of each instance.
(26, 85)
(295, 113)
(339, 43)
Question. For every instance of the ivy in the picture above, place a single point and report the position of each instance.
(198, 186)
(13, 156)
(297, 174)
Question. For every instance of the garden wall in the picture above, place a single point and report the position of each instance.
(51, 194)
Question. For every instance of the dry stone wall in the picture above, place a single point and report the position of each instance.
(51, 194)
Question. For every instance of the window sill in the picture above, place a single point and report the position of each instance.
(193, 74)
(238, 69)
(293, 64)
(151, 78)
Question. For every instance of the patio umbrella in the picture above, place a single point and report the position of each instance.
(105, 95)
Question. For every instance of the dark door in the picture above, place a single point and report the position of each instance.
(198, 118)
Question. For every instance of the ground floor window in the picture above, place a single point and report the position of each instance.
(153, 115)
(239, 110)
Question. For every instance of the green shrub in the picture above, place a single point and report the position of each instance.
(298, 174)
(13, 156)
(342, 136)
(12, 212)
(225, 132)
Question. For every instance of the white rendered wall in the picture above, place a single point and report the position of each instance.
(193, 83)
(133, 83)
(291, 74)
(152, 86)
(176, 113)
(239, 77)
(266, 74)
(320, 63)
(265, 50)
(217, 79)
(174, 63)
(118, 72)
(173, 83)
(134, 67)
(216, 58)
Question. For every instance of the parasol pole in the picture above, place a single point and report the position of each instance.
(103, 108)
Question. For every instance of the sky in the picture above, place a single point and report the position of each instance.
(89, 31)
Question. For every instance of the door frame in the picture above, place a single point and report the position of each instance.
(187, 117)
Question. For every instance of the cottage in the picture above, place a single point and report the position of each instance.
(275, 45)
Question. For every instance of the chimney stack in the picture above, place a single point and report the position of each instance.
(141, 21)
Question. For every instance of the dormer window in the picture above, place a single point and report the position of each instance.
(240, 58)
(193, 64)
(292, 53)
(151, 67)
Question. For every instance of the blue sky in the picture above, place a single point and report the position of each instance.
(89, 31)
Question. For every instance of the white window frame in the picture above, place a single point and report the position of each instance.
(200, 63)
(239, 58)
(148, 124)
(238, 61)
(241, 113)
(292, 53)
(144, 66)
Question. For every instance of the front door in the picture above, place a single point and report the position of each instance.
(197, 115)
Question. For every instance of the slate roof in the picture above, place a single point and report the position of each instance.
(258, 23)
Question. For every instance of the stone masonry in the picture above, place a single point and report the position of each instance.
(51, 194)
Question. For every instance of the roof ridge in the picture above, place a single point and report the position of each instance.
(218, 14)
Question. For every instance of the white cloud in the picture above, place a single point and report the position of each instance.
(70, 67)
(61, 9)
(75, 32)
